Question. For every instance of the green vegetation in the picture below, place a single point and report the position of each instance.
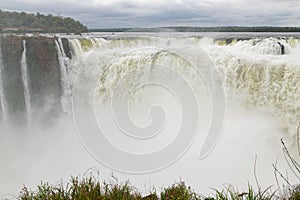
(91, 189)
(25, 22)
(179, 191)
(85, 189)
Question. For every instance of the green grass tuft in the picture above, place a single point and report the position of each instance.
(179, 191)
(91, 189)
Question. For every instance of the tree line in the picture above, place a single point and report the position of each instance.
(204, 29)
(236, 29)
(29, 22)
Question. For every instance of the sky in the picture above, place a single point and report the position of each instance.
(161, 13)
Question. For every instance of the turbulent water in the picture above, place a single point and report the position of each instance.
(2, 99)
(258, 71)
(24, 72)
(260, 74)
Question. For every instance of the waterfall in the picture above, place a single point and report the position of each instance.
(3, 103)
(76, 46)
(63, 61)
(61, 47)
(251, 68)
(26, 82)
(262, 81)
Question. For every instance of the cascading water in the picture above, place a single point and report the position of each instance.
(269, 79)
(267, 46)
(63, 63)
(256, 73)
(253, 69)
(76, 46)
(3, 104)
(259, 70)
(61, 48)
(26, 82)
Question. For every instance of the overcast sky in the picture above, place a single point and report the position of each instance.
(157, 13)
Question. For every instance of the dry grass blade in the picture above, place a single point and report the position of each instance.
(294, 166)
(297, 135)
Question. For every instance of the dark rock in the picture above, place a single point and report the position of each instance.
(44, 72)
(12, 49)
(66, 47)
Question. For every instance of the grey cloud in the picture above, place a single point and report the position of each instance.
(154, 13)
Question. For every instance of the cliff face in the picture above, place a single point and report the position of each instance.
(44, 73)
(66, 47)
(12, 81)
(31, 78)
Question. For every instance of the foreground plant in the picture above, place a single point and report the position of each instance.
(231, 193)
(289, 191)
(91, 189)
(85, 189)
(179, 191)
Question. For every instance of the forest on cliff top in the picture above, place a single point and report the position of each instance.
(29, 22)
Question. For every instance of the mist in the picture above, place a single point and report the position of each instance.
(151, 81)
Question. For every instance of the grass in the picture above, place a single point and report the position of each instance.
(179, 191)
(85, 189)
(90, 188)
(294, 194)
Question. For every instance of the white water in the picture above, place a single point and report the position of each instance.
(3, 102)
(262, 107)
(61, 47)
(262, 87)
(268, 46)
(26, 82)
(63, 62)
(262, 78)
(77, 49)
(254, 71)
